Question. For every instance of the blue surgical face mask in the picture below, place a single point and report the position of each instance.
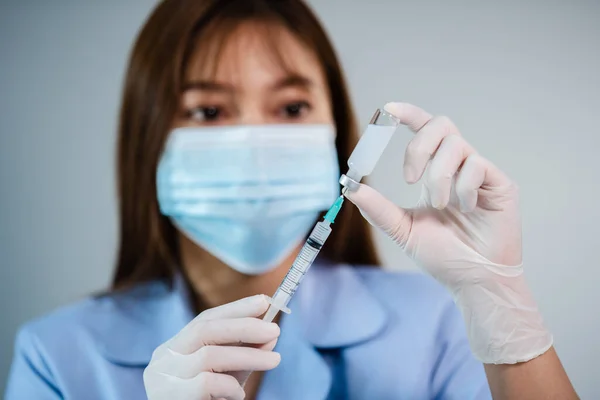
(248, 194)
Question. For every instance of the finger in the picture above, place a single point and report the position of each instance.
(477, 172)
(217, 359)
(444, 165)
(210, 385)
(430, 131)
(262, 346)
(382, 213)
(424, 145)
(205, 386)
(243, 377)
(252, 306)
(268, 346)
(224, 331)
(412, 116)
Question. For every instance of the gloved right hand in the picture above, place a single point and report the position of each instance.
(466, 232)
(210, 357)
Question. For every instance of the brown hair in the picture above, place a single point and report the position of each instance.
(148, 247)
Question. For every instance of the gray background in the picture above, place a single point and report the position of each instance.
(520, 78)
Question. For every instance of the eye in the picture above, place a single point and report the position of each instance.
(204, 114)
(295, 110)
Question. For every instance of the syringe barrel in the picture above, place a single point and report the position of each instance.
(371, 145)
(304, 260)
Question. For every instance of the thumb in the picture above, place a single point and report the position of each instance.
(382, 213)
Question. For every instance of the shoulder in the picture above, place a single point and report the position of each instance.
(46, 350)
(75, 349)
(87, 328)
(83, 318)
(60, 329)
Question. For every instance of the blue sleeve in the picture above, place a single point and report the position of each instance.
(30, 376)
(457, 374)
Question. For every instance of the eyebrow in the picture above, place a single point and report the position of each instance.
(209, 86)
(213, 86)
(292, 81)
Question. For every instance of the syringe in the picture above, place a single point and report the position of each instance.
(302, 263)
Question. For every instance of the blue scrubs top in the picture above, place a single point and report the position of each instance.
(354, 333)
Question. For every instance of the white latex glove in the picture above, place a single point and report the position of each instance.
(466, 232)
(208, 360)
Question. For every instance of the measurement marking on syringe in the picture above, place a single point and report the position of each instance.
(295, 274)
(298, 269)
(307, 255)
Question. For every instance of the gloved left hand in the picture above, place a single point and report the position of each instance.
(466, 232)
(210, 358)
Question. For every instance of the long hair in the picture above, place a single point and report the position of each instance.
(148, 243)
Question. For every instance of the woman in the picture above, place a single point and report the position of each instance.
(235, 123)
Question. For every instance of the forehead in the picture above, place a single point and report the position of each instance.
(251, 54)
